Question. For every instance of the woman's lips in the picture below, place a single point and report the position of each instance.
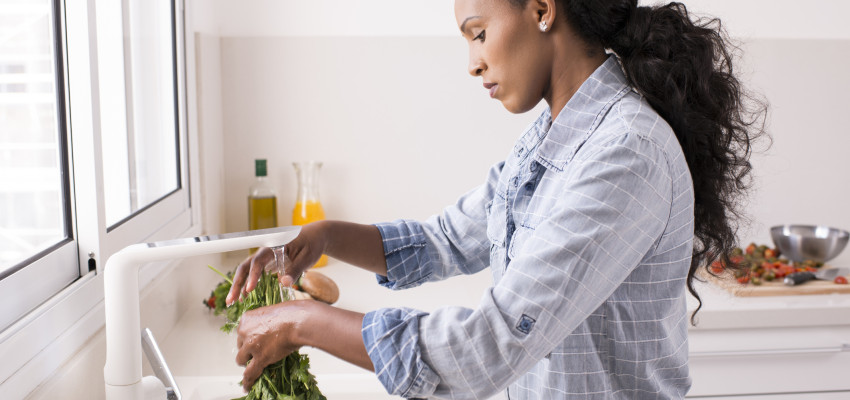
(492, 88)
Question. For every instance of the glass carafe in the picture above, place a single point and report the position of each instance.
(308, 207)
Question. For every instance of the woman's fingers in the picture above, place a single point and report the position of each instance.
(253, 367)
(264, 336)
(243, 356)
(291, 271)
(252, 372)
(300, 255)
(248, 274)
(238, 281)
(258, 264)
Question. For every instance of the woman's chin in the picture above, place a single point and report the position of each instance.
(517, 108)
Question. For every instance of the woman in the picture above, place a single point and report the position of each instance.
(593, 226)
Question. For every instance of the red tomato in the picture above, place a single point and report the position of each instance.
(840, 280)
(744, 279)
(783, 270)
(751, 248)
(717, 267)
(770, 253)
(211, 302)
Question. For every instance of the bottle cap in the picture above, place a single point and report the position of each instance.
(260, 167)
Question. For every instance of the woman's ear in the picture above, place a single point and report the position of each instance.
(544, 13)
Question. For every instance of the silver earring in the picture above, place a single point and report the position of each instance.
(543, 26)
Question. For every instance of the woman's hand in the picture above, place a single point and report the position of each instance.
(268, 334)
(299, 255)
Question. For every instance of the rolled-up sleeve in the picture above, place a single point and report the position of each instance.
(609, 214)
(391, 336)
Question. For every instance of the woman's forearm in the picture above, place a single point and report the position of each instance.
(335, 331)
(355, 244)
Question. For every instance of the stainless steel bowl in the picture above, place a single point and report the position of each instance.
(808, 242)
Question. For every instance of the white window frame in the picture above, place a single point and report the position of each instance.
(45, 338)
(48, 271)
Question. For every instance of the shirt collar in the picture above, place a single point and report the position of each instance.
(581, 116)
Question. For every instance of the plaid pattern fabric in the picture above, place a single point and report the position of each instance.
(587, 228)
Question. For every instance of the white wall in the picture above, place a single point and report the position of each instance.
(209, 122)
(801, 178)
(403, 130)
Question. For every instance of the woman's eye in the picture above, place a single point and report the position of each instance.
(479, 37)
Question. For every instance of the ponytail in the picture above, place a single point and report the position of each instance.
(684, 69)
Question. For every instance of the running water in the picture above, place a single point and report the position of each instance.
(286, 291)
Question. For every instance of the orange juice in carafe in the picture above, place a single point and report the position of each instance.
(307, 212)
(308, 208)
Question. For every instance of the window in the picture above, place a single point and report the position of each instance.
(144, 163)
(93, 145)
(35, 208)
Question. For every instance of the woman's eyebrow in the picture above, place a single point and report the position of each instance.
(463, 25)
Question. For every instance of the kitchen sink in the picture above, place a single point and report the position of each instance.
(334, 386)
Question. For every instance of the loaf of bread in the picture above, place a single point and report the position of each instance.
(320, 287)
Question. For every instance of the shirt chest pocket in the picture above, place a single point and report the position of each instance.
(519, 241)
(527, 224)
(528, 219)
(497, 221)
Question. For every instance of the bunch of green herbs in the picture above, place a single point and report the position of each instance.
(287, 379)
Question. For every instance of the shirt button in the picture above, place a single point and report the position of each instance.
(515, 181)
(533, 167)
(529, 186)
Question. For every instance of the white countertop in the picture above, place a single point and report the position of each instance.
(722, 310)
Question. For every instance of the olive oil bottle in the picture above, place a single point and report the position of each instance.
(262, 202)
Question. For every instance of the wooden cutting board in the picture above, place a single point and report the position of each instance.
(777, 288)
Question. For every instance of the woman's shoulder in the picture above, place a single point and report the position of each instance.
(631, 121)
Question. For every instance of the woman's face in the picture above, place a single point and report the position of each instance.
(507, 49)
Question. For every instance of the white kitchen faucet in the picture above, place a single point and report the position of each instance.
(123, 370)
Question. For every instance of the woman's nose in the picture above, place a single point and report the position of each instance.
(476, 66)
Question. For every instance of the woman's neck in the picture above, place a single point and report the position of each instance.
(573, 64)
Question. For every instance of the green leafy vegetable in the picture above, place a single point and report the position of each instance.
(287, 379)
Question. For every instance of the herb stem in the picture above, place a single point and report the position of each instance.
(222, 275)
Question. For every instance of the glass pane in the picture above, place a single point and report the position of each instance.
(142, 167)
(32, 204)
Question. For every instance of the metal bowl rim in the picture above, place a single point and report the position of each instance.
(841, 233)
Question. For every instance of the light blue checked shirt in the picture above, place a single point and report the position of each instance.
(587, 228)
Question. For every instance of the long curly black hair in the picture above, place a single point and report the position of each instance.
(684, 68)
